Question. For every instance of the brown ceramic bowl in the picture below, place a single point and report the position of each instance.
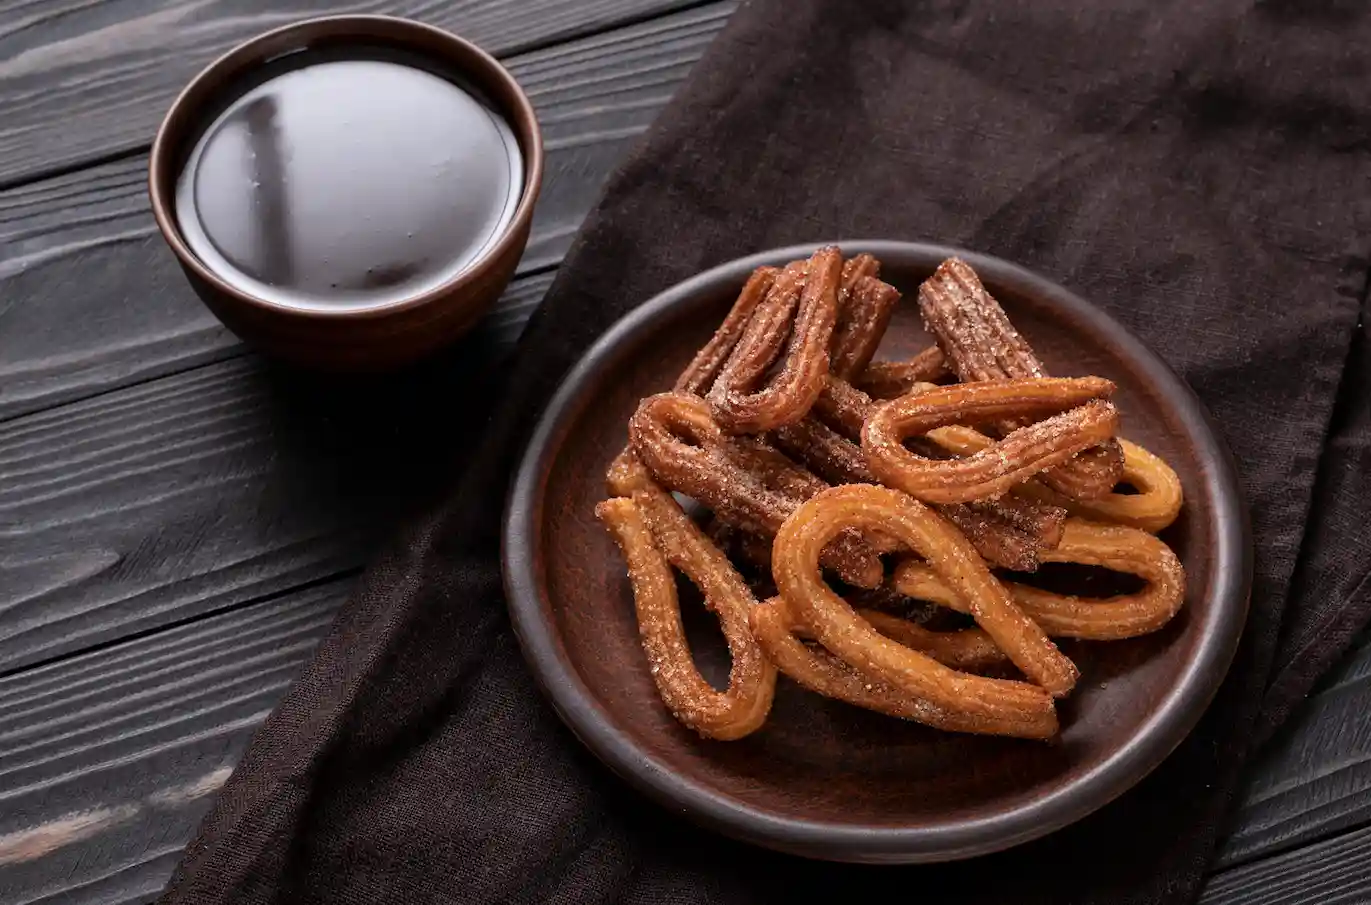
(384, 335)
(822, 779)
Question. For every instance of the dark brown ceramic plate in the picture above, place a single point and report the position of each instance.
(822, 779)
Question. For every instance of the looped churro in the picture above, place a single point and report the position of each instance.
(821, 672)
(684, 449)
(698, 376)
(981, 344)
(1084, 419)
(1007, 532)
(741, 403)
(1113, 547)
(834, 623)
(1153, 508)
(652, 531)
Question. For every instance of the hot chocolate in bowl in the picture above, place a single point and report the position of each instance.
(349, 192)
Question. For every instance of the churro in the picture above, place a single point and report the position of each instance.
(981, 344)
(744, 401)
(652, 532)
(1115, 547)
(795, 569)
(888, 379)
(1080, 418)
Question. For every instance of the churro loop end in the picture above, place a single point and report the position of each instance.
(844, 633)
(650, 550)
(1080, 418)
(1115, 547)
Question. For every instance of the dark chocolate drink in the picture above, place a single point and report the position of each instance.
(348, 179)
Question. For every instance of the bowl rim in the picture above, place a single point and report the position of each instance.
(419, 37)
(1165, 727)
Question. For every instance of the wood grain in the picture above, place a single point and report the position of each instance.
(109, 760)
(1336, 871)
(1314, 779)
(91, 299)
(80, 81)
(188, 494)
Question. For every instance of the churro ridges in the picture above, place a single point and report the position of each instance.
(745, 397)
(1079, 418)
(980, 344)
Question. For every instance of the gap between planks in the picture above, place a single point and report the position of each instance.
(83, 83)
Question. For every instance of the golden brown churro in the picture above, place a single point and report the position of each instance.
(648, 544)
(823, 673)
(742, 404)
(981, 344)
(794, 567)
(1154, 507)
(698, 376)
(1113, 547)
(1083, 420)
(681, 446)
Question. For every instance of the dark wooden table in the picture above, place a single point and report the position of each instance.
(178, 526)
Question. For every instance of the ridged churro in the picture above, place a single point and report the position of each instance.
(743, 398)
(980, 344)
(1115, 547)
(794, 567)
(1080, 418)
(653, 534)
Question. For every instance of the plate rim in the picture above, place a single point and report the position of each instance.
(1176, 715)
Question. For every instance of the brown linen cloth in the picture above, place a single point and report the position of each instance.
(1200, 170)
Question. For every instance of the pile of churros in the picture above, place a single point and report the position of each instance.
(831, 491)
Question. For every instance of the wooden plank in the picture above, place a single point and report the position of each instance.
(92, 300)
(193, 493)
(1336, 871)
(1314, 779)
(80, 81)
(109, 760)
